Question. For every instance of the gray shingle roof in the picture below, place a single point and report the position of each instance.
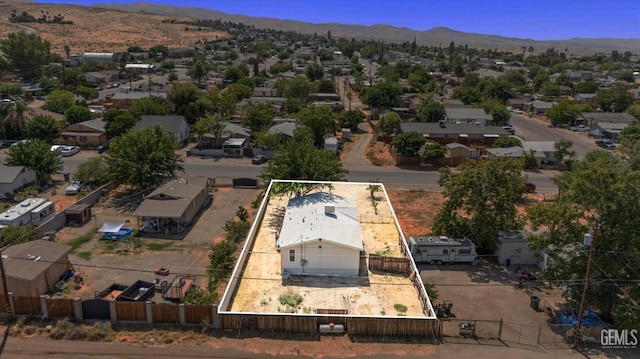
(460, 113)
(451, 128)
(8, 174)
(595, 117)
(170, 200)
(168, 123)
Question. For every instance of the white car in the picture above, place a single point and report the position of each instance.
(57, 148)
(518, 111)
(68, 151)
(73, 188)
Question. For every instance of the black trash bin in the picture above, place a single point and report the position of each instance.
(508, 262)
(535, 303)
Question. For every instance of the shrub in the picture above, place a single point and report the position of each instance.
(290, 299)
(400, 308)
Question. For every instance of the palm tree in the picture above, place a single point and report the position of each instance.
(198, 71)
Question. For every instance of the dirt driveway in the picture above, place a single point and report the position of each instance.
(489, 292)
(102, 263)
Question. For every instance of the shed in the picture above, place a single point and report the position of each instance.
(513, 249)
(33, 268)
(79, 213)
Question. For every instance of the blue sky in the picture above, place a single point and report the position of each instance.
(534, 19)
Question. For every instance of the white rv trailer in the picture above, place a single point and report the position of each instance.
(442, 249)
(21, 214)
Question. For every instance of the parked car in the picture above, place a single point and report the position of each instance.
(73, 188)
(259, 159)
(529, 187)
(162, 271)
(21, 142)
(68, 151)
(606, 144)
(518, 111)
(579, 128)
(57, 148)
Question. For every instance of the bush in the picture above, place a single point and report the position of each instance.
(400, 308)
(290, 299)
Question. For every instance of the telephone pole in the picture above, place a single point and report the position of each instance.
(591, 241)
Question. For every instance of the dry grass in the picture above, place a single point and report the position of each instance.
(377, 153)
(98, 30)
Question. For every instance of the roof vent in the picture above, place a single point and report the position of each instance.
(329, 209)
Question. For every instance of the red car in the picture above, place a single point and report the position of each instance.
(162, 271)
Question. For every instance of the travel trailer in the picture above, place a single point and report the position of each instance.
(442, 249)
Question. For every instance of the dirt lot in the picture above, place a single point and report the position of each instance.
(102, 263)
(262, 285)
(123, 29)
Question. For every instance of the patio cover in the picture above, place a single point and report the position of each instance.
(110, 227)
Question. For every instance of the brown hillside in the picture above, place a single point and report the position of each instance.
(99, 30)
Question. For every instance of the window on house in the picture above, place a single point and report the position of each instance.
(445, 251)
(292, 255)
(465, 251)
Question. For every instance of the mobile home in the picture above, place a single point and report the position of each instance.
(20, 214)
(442, 249)
(43, 213)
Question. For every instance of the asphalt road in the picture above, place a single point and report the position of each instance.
(533, 129)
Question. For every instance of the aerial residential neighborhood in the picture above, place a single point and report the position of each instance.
(251, 182)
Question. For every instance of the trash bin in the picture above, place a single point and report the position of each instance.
(447, 305)
(66, 176)
(535, 302)
(508, 262)
(100, 149)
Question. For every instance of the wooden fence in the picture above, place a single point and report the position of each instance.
(309, 324)
(60, 307)
(27, 306)
(131, 311)
(388, 264)
(165, 313)
(198, 314)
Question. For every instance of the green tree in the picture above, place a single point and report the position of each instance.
(563, 153)
(299, 159)
(10, 88)
(198, 71)
(120, 124)
(629, 138)
(209, 124)
(587, 86)
(389, 124)
(351, 119)
(384, 95)
(88, 93)
(186, 101)
(59, 101)
(94, 171)
(265, 140)
(497, 110)
(221, 261)
(77, 113)
(258, 116)
(27, 53)
(235, 73)
(634, 110)
(480, 200)
(434, 151)
(143, 158)
(150, 106)
(408, 144)
(614, 99)
(43, 127)
(299, 88)
(562, 113)
(320, 120)
(314, 72)
(430, 111)
(37, 155)
(599, 191)
(506, 142)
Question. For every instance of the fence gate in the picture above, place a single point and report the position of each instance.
(96, 309)
(525, 334)
(469, 328)
(245, 182)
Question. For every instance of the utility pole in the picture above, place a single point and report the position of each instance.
(5, 287)
(590, 241)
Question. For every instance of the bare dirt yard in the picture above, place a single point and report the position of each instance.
(261, 284)
(102, 30)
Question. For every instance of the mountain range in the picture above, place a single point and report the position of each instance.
(439, 36)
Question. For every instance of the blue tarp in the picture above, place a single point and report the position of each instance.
(569, 318)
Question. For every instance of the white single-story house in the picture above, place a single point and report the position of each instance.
(320, 235)
(515, 152)
(548, 148)
(14, 178)
(513, 249)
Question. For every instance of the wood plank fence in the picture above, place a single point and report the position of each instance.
(198, 314)
(165, 313)
(388, 264)
(60, 307)
(131, 311)
(27, 306)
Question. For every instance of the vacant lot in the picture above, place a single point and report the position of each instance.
(98, 30)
